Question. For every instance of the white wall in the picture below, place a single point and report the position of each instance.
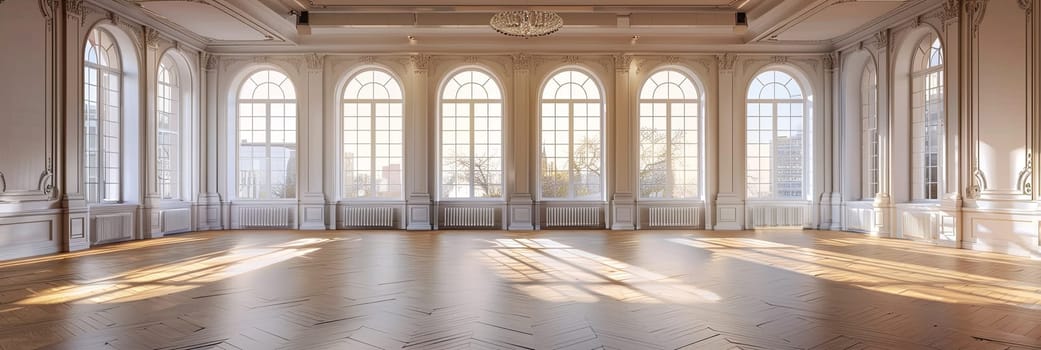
(991, 100)
(990, 60)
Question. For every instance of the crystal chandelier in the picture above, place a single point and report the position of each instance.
(526, 23)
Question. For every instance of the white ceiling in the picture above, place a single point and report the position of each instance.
(461, 25)
(205, 20)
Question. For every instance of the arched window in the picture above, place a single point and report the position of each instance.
(267, 137)
(927, 116)
(669, 137)
(168, 129)
(102, 115)
(776, 144)
(571, 152)
(869, 126)
(372, 153)
(471, 137)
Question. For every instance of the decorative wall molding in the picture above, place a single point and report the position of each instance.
(3, 181)
(570, 59)
(976, 9)
(830, 61)
(726, 61)
(74, 9)
(315, 61)
(1025, 5)
(420, 63)
(1023, 185)
(779, 59)
(367, 59)
(521, 61)
(979, 184)
(210, 61)
(622, 63)
(472, 59)
(882, 39)
(950, 11)
(151, 38)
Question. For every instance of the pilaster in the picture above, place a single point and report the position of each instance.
(419, 207)
(77, 226)
(151, 227)
(730, 206)
(521, 209)
(208, 205)
(311, 203)
(883, 204)
(623, 203)
(831, 198)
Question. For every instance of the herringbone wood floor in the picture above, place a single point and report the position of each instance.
(507, 290)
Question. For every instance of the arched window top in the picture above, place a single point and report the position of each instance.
(267, 85)
(868, 78)
(928, 54)
(372, 84)
(571, 85)
(669, 85)
(101, 49)
(168, 71)
(472, 85)
(774, 85)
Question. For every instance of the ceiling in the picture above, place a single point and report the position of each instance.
(373, 26)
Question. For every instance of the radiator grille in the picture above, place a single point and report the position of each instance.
(110, 228)
(469, 217)
(672, 216)
(779, 216)
(264, 217)
(574, 217)
(368, 217)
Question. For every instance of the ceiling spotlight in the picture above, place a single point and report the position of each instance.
(635, 38)
(411, 40)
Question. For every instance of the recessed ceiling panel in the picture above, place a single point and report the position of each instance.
(205, 20)
(838, 19)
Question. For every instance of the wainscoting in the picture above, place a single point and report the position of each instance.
(28, 235)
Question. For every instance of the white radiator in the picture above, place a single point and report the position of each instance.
(264, 217)
(671, 216)
(368, 217)
(111, 228)
(778, 216)
(469, 217)
(573, 217)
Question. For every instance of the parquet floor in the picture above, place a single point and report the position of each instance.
(508, 290)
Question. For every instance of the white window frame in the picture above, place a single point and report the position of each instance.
(176, 124)
(344, 100)
(571, 197)
(923, 71)
(267, 136)
(869, 136)
(699, 143)
(471, 103)
(98, 196)
(807, 131)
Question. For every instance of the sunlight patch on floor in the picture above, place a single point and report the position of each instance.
(893, 277)
(552, 271)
